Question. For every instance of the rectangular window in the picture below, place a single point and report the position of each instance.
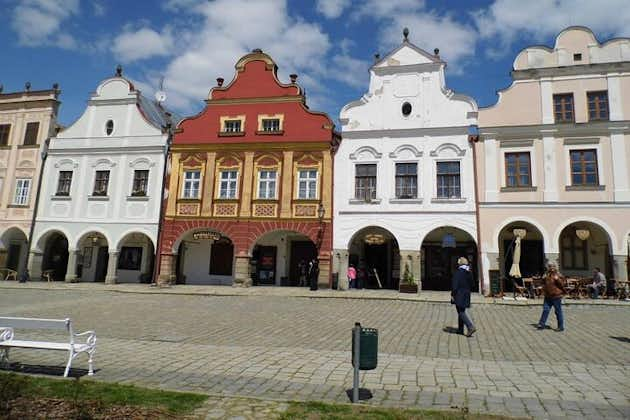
(272, 124)
(584, 167)
(5, 130)
(32, 129)
(307, 184)
(64, 183)
(574, 252)
(227, 188)
(267, 184)
(597, 106)
(22, 189)
(365, 182)
(140, 183)
(130, 258)
(191, 184)
(448, 182)
(406, 180)
(232, 126)
(518, 170)
(563, 107)
(101, 181)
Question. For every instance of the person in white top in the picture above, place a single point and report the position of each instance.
(599, 283)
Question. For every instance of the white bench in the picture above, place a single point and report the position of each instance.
(8, 325)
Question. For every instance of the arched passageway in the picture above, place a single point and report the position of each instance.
(205, 257)
(374, 252)
(584, 246)
(13, 249)
(439, 253)
(136, 259)
(281, 258)
(55, 257)
(92, 257)
(532, 251)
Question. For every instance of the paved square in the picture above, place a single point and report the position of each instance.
(298, 348)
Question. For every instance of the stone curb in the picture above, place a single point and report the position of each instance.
(323, 294)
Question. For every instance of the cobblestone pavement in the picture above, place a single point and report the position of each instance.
(298, 348)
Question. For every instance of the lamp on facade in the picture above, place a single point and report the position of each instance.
(582, 234)
(519, 233)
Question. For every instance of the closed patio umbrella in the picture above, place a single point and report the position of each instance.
(515, 270)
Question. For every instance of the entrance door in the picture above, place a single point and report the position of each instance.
(101, 263)
(13, 256)
(56, 257)
(266, 267)
(377, 258)
(300, 251)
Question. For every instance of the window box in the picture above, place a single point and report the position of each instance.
(60, 198)
(137, 198)
(368, 201)
(270, 133)
(585, 188)
(518, 189)
(231, 133)
(98, 198)
(405, 200)
(448, 200)
(28, 146)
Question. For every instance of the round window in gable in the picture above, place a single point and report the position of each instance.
(406, 109)
(109, 127)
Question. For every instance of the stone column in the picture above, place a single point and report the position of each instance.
(242, 277)
(35, 264)
(341, 267)
(71, 271)
(620, 267)
(112, 262)
(167, 269)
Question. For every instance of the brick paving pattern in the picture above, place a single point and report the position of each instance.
(293, 348)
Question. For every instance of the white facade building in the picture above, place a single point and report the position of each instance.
(99, 207)
(404, 191)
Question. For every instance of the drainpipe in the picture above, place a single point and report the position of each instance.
(158, 253)
(24, 274)
(473, 138)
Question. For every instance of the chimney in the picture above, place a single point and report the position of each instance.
(219, 81)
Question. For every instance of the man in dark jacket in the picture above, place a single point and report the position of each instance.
(460, 296)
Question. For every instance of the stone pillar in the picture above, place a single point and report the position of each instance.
(620, 267)
(552, 257)
(112, 262)
(71, 271)
(340, 257)
(167, 269)
(412, 260)
(242, 277)
(35, 264)
(287, 182)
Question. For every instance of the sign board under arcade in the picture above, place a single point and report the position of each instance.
(207, 234)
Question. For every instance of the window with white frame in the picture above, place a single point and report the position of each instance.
(64, 183)
(267, 183)
(232, 126)
(22, 189)
(271, 124)
(227, 187)
(191, 184)
(140, 183)
(406, 180)
(101, 183)
(448, 180)
(365, 181)
(307, 183)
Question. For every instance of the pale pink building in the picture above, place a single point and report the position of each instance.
(552, 159)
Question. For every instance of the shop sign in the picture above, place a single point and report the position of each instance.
(207, 234)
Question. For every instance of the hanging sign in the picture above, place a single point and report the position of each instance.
(207, 234)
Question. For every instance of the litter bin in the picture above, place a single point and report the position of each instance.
(368, 347)
(335, 281)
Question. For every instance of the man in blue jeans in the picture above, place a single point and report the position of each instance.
(553, 290)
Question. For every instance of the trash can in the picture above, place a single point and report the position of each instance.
(368, 348)
(335, 281)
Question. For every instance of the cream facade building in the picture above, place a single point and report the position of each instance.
(99, 209)
(403, 183)
(553, 156)
(27, 120)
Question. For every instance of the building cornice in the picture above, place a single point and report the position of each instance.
(555, 204)
(261, 100)
(209, 147)
(107, 150)
(406, 132)
(600, 128)
(576, 70)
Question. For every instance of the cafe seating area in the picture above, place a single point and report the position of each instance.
(577, 288)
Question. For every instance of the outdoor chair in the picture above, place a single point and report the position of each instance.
(8, 274)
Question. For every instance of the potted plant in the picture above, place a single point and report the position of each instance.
(408, 283)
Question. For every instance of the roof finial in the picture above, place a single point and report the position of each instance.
(436, 51)
(1, 87)
(27, 86)
(406, 34)
(119, 71)
(257, 51)
(220, 81)
(293, 78)
(377, 57)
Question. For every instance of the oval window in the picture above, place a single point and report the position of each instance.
(109, 127)
(406, 109)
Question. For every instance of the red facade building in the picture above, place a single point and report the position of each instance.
(250, 185)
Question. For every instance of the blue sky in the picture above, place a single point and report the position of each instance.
(329, 43)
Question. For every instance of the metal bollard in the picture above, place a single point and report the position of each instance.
(356, 336)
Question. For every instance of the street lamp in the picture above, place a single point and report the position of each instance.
(320, 231)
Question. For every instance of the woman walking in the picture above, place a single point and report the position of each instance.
(460, 296)
(553, 289)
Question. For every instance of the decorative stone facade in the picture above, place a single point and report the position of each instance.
(250, 184)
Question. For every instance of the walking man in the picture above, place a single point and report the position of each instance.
(460, 296)
(553, 289)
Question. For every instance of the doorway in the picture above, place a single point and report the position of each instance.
(266, 265)
(102, 258)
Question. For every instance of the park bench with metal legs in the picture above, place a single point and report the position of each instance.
(74, 347)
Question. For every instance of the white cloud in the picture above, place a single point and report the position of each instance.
(332, 9)
(387, 9)
(351, 71)
(141, 44)
(231, 28)
(39, 22)
(98, 9)
(505, 21)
